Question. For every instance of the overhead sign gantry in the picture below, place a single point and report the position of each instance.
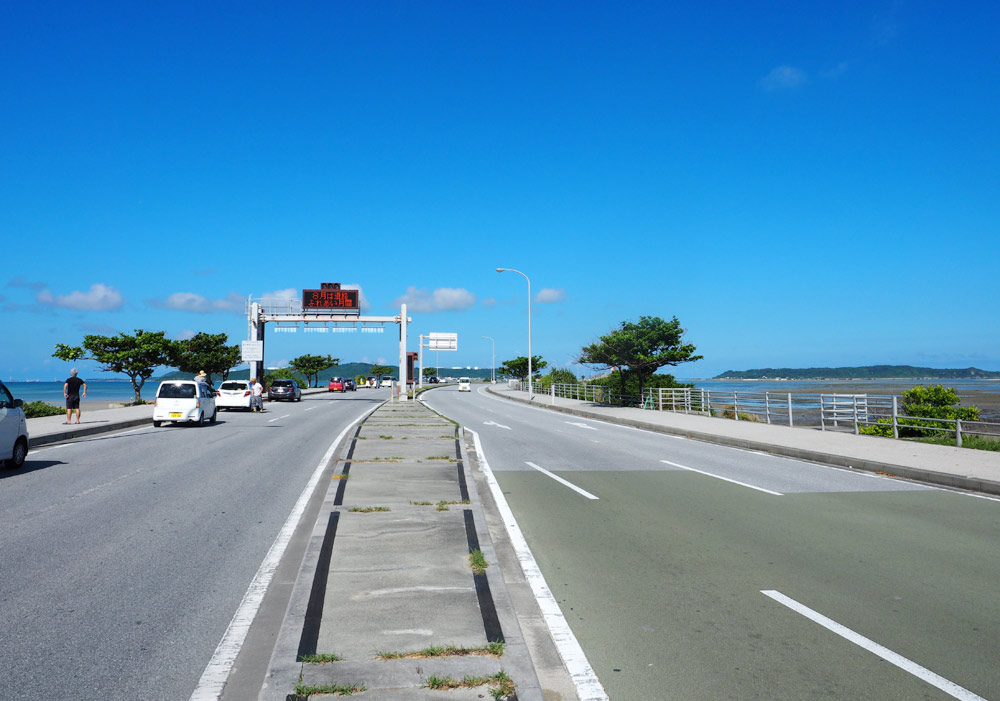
(329, 308)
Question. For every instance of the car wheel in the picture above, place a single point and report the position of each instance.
(201, 419)
(215, 415)
(19, 455)
(157, 424)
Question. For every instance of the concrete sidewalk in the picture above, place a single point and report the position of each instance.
(386, 603)
(961, 468)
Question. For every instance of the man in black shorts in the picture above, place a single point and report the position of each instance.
(71, 390)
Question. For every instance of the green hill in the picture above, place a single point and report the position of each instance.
(868, 372)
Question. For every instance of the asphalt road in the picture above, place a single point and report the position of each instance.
(700, 571)
(123, 558)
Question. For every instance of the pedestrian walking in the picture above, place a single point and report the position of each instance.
(71, 390)
(256, 395)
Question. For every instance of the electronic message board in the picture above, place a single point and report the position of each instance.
(330, 298)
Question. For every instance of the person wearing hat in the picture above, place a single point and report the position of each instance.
(202, 377)
(71, 390)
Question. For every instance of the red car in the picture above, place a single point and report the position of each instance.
(337, 384)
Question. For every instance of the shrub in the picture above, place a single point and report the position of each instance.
(33, 410)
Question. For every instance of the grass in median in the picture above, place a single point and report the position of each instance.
(494, 649)
(304, 692)
(443, 505)
(502, 685)
(477, 561)
(321, 658)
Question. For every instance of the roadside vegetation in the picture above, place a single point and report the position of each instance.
(928, 414)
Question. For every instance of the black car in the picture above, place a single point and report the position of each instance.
(284, 390)
(350, 385)
(432, 380)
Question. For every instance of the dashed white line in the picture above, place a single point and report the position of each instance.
(724, 479)
(559, 479)
(588, 686)
(279, 418)
(948, 687)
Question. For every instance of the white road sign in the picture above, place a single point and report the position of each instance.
(253, 351)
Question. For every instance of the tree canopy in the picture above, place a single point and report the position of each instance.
(312, 365)
(205, 351)
(518, 367)
(136, 356)
(640, 349)
(379, 370)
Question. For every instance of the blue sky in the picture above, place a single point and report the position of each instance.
(800, 185)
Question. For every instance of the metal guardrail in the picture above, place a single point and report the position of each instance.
(828, 412)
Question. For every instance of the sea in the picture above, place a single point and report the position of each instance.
(97, 391)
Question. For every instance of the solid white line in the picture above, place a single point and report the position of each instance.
(279, 418)
(588, 686)
(559, 479)
(948, 687)
(217, 672)
(724, 479)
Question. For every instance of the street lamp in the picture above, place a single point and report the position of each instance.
(493, 361)
(531, 394)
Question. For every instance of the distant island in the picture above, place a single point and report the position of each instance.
(869, 372)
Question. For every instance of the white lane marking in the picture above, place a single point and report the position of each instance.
(278, 418)
(559, 479)
(948, 687)
(309, 409)
(494, 423)
(724, 479)
(217, 671)
(580, 424)
(588, 686)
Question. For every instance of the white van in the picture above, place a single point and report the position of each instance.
(13, 430)
(464, 384)
(184, 400)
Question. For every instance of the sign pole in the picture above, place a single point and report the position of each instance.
(402, 354)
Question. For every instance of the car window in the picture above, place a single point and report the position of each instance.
(6, 400)
(281, 383)
(176, 391)
(233, 385)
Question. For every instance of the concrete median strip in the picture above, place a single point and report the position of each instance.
(381, 574)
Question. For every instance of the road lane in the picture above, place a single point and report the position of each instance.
(124, 557)
(661, 578)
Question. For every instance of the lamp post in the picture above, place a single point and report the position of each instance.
(531, 394)
(493, 360)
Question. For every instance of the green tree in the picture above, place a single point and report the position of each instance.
(430, 372)
(518, 367)
(136, 356)
(205, 351)
(640, 349)
(558, 377)
(379, 370)
(283, 374)
(313, 365)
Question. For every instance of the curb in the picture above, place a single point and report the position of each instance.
(88, 431)
(941, 479)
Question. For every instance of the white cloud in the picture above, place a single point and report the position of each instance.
(440, 300)
(287, 293)
(193, 302)
(548, 295)
(783, 78)
(185, 335)
(836, 71)
(100, 298)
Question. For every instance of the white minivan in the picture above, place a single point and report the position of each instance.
(464, 384)
(13, 430)
(184, 400)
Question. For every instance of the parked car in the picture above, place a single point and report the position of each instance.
(350, 385)
(337, 385)
(13, 430)
(233, 394)
(371, 382)
(464, 384)
(387, 382)
(184, 401)
(433, 380)
(284, 390)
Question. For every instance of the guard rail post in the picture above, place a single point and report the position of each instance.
(958, 432)
(789, 408)
(855, 400)
(736, 405)
(767, 407)
(822, 414)
(895, 417)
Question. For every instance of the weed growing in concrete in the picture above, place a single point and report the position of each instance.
(501, 683)
(368, 509)
(304, 692)
(477, 561)
(385, 437)
(494, 649)
(420, 503)
(443, 505)
(321, 658)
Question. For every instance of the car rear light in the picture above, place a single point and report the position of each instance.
(247, 393)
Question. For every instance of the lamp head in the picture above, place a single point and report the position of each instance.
(500, 270)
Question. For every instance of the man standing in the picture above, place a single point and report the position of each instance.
(71, 390)
(256, 395)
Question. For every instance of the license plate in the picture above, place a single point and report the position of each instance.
(175, 414)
